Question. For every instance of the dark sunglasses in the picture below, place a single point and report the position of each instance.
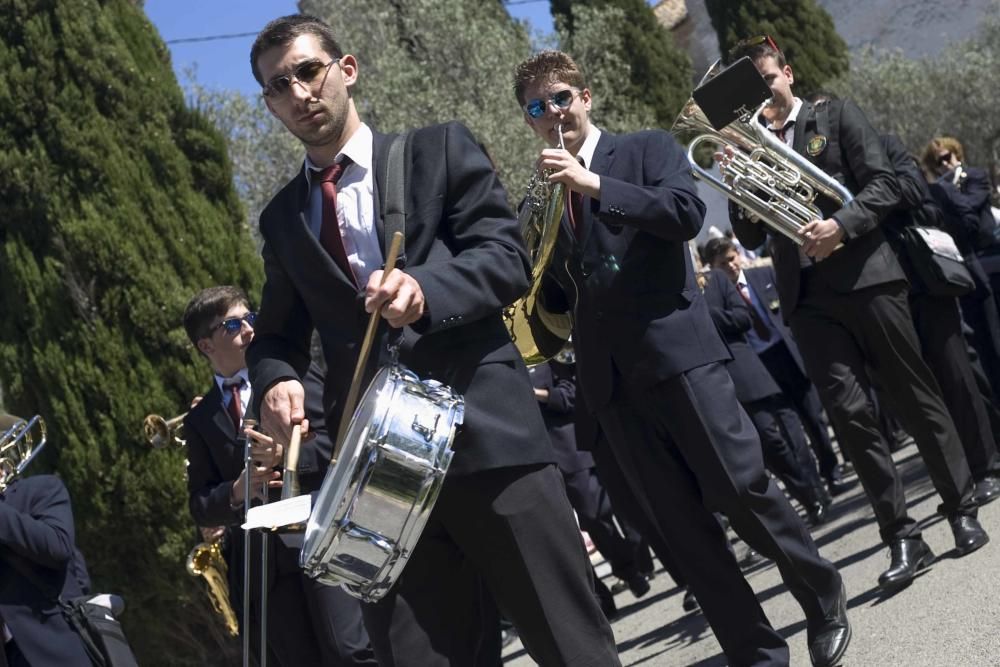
(233, 325)
(562, 100)
(306, 72)
(944, 157)
(750, 42)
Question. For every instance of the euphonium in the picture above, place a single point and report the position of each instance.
(206, 560)
(538, 333)
(766, 177)
(161, 432)
(18, 446)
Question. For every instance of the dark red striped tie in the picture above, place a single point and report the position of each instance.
(329, 231)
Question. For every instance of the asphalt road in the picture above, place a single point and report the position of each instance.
(949, 617)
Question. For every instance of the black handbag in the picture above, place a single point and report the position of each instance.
(936, 261)
(100, 631)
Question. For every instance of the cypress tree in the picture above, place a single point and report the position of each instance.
(803, 30)
(659, 72)
(117, 205)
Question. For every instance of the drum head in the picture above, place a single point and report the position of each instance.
(367, 419)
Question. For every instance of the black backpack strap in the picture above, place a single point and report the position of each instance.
(395, 193)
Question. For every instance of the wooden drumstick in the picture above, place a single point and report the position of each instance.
(290, 479)
(366, 345)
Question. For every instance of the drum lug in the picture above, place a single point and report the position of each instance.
(426, 431)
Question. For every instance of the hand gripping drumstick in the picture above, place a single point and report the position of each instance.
(366, 346)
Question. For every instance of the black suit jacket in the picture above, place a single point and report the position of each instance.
(732, 316)
(558, 413)
(37, 536)
(853, 155)
(761, 280)
(967, 209)
(215, 461)
(464, 248)
(639, 317)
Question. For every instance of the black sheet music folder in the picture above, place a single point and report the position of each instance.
(733, 92)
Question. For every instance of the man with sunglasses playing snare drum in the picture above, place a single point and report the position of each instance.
(848, 310)
(308, 623)
(502, 516)
(649, 367)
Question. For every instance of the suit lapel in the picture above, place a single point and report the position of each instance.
(380, 154)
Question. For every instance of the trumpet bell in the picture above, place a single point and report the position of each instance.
(160, 432)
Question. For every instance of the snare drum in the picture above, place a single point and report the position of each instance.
(376, 499)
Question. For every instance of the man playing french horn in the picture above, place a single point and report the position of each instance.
(649, 368)
(848, 311)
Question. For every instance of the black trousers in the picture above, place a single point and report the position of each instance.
(689, 449)
(979, 310)
(630, 511)
(939, 328)
(786, 453)
(512, 529)
(843, 337)
(795, 385)
(309, 623)
(594, 512)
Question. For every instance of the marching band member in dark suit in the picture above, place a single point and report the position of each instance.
(780, 354)
(502, 508)
(938, 322)
(963, 193)
(38, 548)
(782, 437)
(649, 366)
(308, 623)
(849, 313)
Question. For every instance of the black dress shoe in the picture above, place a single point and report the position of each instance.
(690, 602)
(910, 556)
(969, 535)
(987, 490)
(818, 513)
(638, 585)
(829, 641)
(838, 486)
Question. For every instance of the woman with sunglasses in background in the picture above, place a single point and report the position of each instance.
(963, 193)
(309, 623)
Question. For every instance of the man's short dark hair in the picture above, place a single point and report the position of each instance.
(207, 306)
(548, 66)
(285, 30)
(717, 248)
(758, 51)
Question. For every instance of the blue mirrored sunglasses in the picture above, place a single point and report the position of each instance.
(233, 325)
(562, 100)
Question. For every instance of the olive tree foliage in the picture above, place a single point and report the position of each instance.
(956, 93)
(598, 45)
(431, 61)
(263, 153)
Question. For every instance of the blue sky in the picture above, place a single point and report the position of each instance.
(224, 63)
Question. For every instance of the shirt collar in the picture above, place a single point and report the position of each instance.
(741, 280)
(358, 148)
(243, 373)
(791, 117)
(586, 152)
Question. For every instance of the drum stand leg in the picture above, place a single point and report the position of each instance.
(246, 554)
(264, 538)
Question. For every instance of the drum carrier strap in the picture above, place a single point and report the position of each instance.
(395, 194)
